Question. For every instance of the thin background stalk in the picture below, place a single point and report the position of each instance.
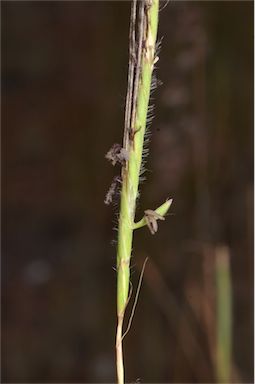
(224, 315)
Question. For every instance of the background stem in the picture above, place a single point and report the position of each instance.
(224, 315)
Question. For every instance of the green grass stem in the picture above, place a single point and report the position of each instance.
(133, 144)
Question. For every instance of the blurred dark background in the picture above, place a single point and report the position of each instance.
(64, 71)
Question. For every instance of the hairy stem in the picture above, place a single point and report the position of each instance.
(133, 144)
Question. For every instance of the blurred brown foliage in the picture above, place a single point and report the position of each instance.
(64, 69)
